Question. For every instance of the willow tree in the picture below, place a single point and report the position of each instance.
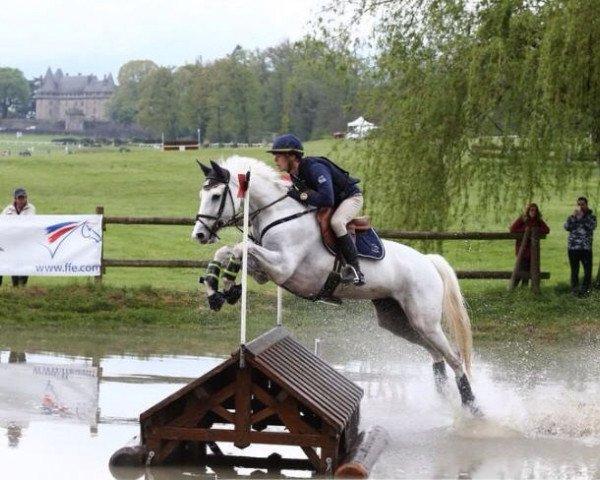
(456, 81)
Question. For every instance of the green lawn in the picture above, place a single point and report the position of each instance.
(149, 182)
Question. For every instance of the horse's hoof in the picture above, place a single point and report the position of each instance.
(233, 294)
(216, 301)
(474, 410)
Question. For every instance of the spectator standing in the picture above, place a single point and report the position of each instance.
(530, 218)
(19, 206)
(580, 225)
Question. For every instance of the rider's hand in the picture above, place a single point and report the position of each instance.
(294, 193)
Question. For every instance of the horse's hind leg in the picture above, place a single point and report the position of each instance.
(437, 339)
(430, 331)
(440, 376)
(391, 317)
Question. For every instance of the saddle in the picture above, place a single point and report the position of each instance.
(368, 243)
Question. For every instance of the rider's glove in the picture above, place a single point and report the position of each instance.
(294, 193)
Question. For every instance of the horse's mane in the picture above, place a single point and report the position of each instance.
(237, 164)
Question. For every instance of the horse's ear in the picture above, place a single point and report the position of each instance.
(220, 172)
(204, 168)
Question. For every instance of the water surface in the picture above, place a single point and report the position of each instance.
(541, 404)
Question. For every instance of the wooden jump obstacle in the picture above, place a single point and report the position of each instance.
(271, 391)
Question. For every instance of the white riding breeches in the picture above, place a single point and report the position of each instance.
(344, 213)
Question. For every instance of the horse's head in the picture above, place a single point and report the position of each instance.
(88, 232)
(218, 206)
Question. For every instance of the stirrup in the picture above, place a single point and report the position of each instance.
(329, 300)
(348, 274)
(351, 274)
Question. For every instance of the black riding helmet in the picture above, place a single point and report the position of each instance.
(286, 144)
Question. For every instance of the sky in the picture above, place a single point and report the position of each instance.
(99, 36)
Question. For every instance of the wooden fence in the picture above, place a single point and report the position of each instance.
(513, 275)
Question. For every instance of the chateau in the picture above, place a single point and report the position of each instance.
(73, 99)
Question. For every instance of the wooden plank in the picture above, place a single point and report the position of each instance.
(257, 462)
(493, 275)
(221, 435)
(187, 389)
(150, 220)
(226, 415)
(116, 262)
(409, 235)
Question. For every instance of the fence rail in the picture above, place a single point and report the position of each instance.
(513, 275)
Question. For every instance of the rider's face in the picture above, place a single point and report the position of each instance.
(284, 161)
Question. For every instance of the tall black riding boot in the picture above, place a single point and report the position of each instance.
(348, 251)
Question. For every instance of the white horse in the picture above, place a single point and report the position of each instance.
(412, 292)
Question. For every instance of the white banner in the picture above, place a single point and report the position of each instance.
(50, 245)
(35, 391)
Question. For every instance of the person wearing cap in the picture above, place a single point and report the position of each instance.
(319, 182)
(19, 206)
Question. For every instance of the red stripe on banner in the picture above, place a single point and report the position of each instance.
(59, 233)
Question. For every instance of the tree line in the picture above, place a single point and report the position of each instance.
(447, 81)
(304, 86)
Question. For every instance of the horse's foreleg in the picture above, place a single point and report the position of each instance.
(231, 291)
(275, 265)
(211, 278)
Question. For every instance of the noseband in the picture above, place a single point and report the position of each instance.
(217, 223)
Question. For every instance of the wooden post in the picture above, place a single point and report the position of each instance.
(534, 266)
(98, 278)
(243, 406)
(515, 274)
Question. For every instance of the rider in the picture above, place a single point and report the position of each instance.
(319, 182)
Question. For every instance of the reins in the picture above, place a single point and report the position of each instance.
(234, 220)
(279, 222)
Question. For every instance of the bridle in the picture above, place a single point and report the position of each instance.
(218, 224)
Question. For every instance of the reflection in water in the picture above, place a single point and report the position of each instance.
(542, 414)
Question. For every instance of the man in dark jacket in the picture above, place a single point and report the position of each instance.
(581, 225)
(319, 182)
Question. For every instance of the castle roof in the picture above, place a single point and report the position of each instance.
(59, 83)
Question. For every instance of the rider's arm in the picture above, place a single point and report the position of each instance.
(322, 195)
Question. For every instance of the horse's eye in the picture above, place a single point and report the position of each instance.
(215, 198)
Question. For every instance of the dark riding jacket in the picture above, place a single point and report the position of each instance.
(326, 184)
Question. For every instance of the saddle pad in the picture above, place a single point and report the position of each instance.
(369, 245)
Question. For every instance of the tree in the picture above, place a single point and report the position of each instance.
(123, 107)
(14, 90)
(521, 76)
(157, 105)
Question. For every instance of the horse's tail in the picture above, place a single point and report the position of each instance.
(454, 311)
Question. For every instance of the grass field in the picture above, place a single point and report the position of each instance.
(148, 182)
